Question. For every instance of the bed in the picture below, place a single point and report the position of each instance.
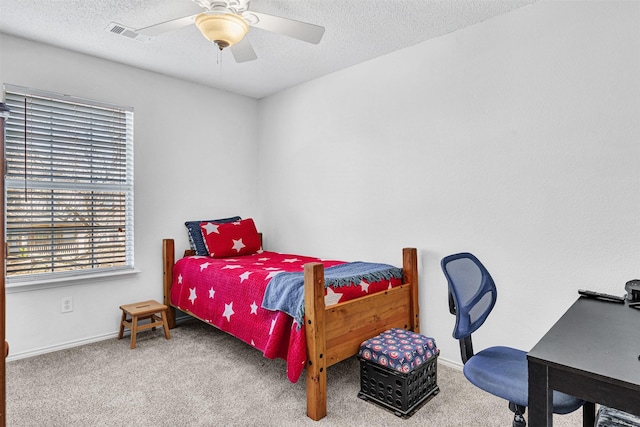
(317, 328)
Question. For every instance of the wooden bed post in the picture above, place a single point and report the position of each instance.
(410, 275)
(316, 343)
(168, 259)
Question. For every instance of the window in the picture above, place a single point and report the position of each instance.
(69, 186)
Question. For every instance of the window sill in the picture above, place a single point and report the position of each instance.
(39, 284)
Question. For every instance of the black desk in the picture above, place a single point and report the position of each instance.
(591, 353)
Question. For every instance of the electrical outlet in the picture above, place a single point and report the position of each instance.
(67, 305)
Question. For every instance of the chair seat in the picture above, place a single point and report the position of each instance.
(503, 372)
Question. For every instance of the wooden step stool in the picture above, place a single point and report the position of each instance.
(141, 311)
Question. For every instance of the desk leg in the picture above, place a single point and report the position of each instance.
(589, 414)
(540, 396)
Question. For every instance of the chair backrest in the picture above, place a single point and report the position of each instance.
(472, 290)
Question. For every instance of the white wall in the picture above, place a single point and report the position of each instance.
(172, 184)
(516, 139)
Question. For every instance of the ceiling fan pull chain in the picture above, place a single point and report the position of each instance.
(219, 63)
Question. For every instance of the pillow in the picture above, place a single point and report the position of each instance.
(195, 234)
(231, 239)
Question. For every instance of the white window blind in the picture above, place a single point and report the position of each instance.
(69, 186)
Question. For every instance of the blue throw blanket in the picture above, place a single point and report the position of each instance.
(285, 291)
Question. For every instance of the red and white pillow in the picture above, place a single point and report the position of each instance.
(231, 239)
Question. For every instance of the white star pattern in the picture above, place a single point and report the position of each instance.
(273, 273)
(238, 245)
(228, 311)
(261, 327)
(390, 286)
(211, 228)
(331, 297)
(365, 286)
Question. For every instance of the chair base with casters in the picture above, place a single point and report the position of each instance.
(500, 371)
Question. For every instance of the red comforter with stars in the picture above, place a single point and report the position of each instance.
(228, 293)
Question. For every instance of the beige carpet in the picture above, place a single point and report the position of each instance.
(203, 377)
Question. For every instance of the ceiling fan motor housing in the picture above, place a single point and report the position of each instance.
(233, 6)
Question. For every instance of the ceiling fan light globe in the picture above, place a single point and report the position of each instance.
(224, 29)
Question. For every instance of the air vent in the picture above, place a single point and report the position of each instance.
(127, 32)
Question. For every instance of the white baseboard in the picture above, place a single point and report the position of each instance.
(58, 347)
(75, 343)
(450, 364)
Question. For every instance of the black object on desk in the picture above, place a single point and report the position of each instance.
(601, 296)
(591, 353)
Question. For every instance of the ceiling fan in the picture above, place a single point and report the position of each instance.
(226, 22)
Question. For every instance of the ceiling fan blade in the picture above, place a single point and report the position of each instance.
(164, 27)
(243, 51)
(306, 32)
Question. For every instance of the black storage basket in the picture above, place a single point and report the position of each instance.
(400, 393)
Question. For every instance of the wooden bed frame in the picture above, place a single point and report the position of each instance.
(335, 333)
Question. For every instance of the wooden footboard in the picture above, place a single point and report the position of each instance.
(335, 333)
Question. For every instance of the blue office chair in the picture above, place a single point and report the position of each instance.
(501, 371)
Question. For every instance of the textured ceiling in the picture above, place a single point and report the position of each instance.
(356, 31)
